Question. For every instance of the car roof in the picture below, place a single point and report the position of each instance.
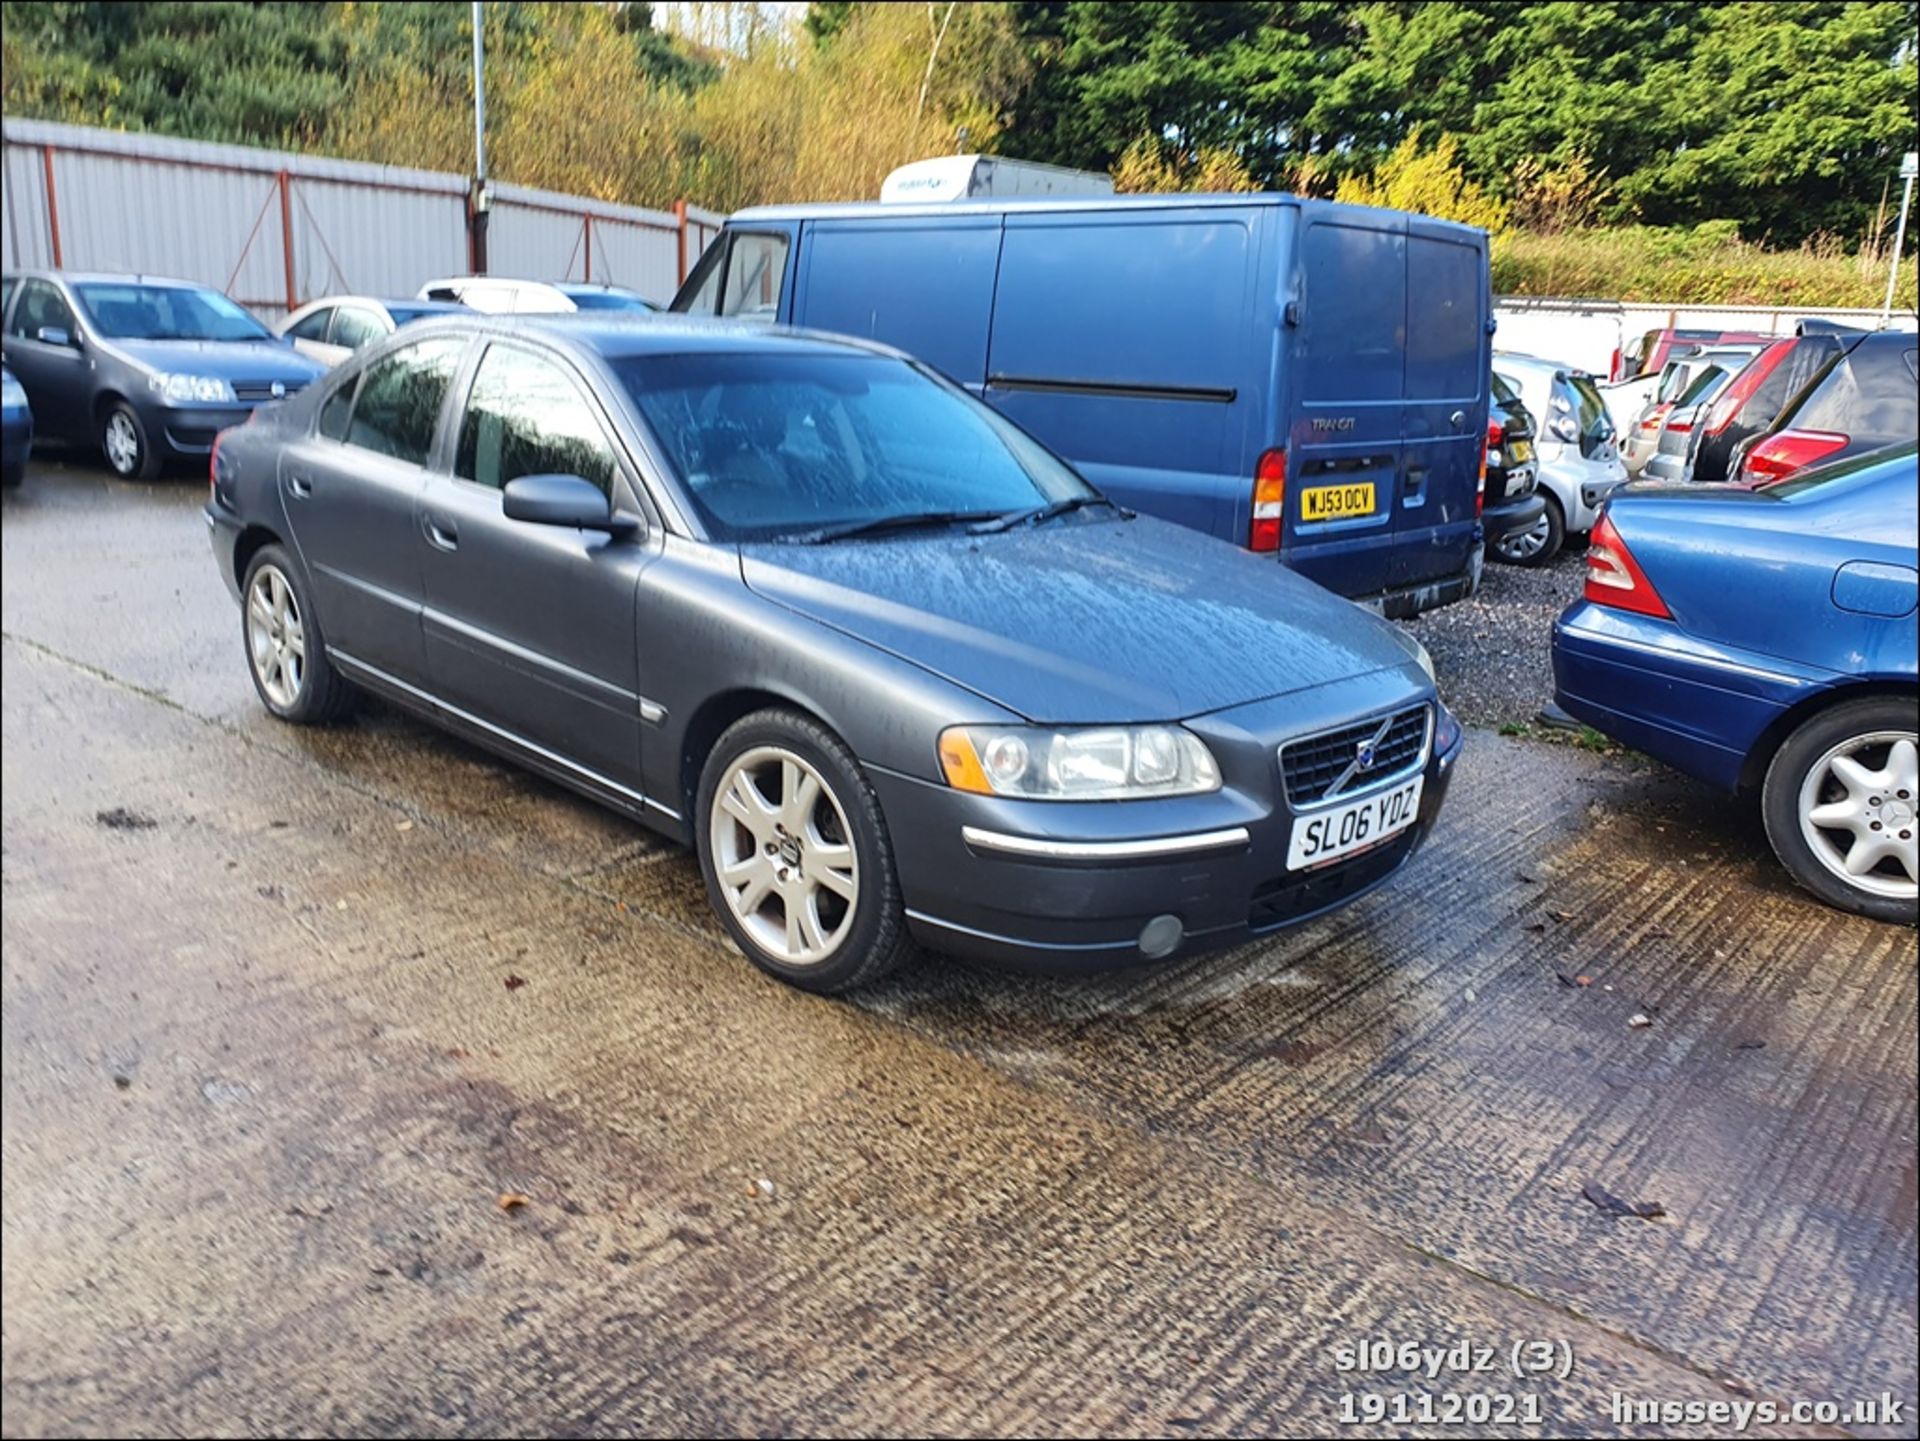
(86, 277)
(1520, 360)
(618, 334)
(405, 302)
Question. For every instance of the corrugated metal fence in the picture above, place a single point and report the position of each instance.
(275, 230)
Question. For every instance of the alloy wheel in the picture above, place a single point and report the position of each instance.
(122, 443)
(784, 857)
(1525, 544)
(276, 639)
(1860, 813)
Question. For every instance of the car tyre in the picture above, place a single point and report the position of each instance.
(796, 856)
(1538, 544)
(124, 443)
(286, 655)
(1847, 778)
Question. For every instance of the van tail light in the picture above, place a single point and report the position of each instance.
(1750, 379)
(1779, 455)
(1269, 500)
(1614, 577)
(1492, 439)
(1613, 367)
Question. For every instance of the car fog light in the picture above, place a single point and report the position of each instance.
(1160, 936)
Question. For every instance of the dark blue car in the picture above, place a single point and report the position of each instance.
(1764, 641)
(890, 666)
(16, 429)
(148, 369)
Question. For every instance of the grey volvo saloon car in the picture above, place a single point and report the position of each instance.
(895, 671)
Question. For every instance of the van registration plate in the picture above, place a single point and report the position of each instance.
(1336, 502)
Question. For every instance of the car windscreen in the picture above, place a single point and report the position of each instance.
(772, 445)
(130, 311)
(1702, 388)
(607, 300)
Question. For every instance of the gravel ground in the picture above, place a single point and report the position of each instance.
(1491, 652)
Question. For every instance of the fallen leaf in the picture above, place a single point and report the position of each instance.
(403, 825)
(1749, 1045)
(514, 983)
(511, 1201)
(1639, 1021)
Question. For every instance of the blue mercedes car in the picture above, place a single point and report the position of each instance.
(16, 429)
(1764, 641)
(894, 670)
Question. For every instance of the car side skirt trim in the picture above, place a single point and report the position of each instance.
(358, 669)
(1034, 848)
(1689, 657)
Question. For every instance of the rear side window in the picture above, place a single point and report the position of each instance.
(1580, 398)
(1868, 394)
(337, 411)
(356, 327)
(400, 398)
(526, 416)
(314, 326)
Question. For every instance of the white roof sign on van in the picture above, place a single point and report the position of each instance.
(964, 177)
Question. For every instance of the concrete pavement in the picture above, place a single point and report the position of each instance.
(285, 1026)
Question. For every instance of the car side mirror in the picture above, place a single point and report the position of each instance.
(55, 335)
(563, 500)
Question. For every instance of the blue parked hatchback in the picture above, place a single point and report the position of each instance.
(1765, 640)
(1300, 378)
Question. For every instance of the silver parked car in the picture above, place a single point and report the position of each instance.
(1669, 458)
(506, 295)
(1576, 449)
(1640, 441)
(331, 329)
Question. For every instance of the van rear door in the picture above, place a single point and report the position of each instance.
(1449, 361)
(1348, 372)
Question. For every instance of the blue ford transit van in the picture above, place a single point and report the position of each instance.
(1296, 376)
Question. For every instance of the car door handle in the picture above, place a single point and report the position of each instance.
(441, 534)
(300, 486)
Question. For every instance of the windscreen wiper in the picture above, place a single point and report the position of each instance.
(906, 520)
(1036, 515)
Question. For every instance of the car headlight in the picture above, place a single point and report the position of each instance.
(1091, 763)
(176, 389)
